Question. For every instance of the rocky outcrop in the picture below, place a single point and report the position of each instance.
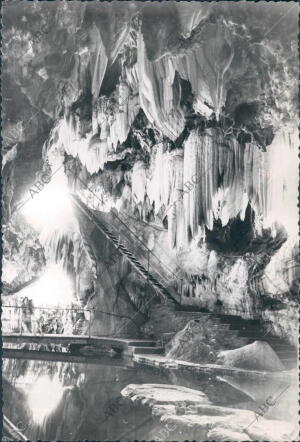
(256, 356)
(200, 340)
(186, 411)
(23, 257)
(164, 395)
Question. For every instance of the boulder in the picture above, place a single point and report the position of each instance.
(232, 424)
(200, 340)
(256, 356)
(164, 394)
(271, 429)
(183, 411)
(224, 434)
(192, 344)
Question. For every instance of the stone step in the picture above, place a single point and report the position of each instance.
(273, 340)
(197, 315)
(262, 337)
(246, 327)
(290, 363)
(193, 308)
(142, 343)
(244, 341)
(233, 333)
(234, 326)
(246, 330)
(278, 340)
(192, 312)
(238, 320)
(286, 354)
(270, 341)
(281, 350)
(220, 327)
(146, 350)
(282, 344)
(168, 336)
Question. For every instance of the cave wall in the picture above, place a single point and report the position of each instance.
(117, 296)
(180, 116)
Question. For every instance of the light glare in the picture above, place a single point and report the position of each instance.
(51, 206)
(52, 289)
(44, 397)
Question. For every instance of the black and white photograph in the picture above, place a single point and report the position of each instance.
(150, 251)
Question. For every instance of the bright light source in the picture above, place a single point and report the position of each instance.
(54, 288)
(44, 397)
(51, 206)
(10, 270)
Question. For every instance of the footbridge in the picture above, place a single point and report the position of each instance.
(70, 327)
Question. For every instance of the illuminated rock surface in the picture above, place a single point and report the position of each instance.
(186, 412)
(164, 394)
(200, 342)
(182, 116)
(175, 124)
(258, 355)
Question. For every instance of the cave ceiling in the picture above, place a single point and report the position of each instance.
(138, 99)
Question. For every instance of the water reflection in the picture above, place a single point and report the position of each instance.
(44, 387)
(56, 400)
(69, 401)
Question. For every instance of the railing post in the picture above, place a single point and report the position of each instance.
(148, 255)
(90, 317)
(21, 319)
(181, 279)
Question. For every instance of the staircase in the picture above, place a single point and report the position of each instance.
(248, 331)
(153, 270)
(143, 260)
(253, 330)
(144, 350)
(236, 333)
(139, 346)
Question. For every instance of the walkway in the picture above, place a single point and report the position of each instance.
(166, 363)
(118, 344)
(37, 355)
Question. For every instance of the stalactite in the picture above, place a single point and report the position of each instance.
(56, 244)
(139, 182)
(190, 15)
(159, 185)
(212, 176)
(217, 180)
(158, 98)
(98, 62)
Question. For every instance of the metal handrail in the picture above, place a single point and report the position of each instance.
(142, 244)
(46, 308)
(109, 232)
(138, 239)
(153, 226)
(157, 245)
(21, 308)
(147, 248)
